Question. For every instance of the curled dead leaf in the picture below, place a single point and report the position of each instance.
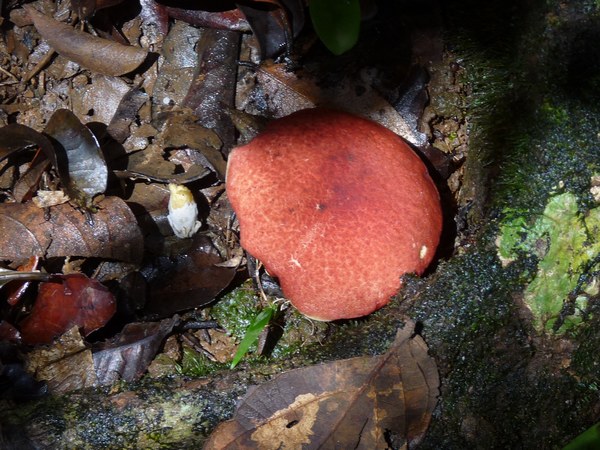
(353, 403)
(93, 53)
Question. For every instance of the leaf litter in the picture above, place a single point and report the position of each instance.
(352, 403)
(120, 115)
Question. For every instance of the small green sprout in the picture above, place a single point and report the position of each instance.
(252, 333)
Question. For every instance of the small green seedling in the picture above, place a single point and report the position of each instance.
(252, 332)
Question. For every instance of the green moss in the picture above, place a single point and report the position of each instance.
(236, 310)
(194, 364)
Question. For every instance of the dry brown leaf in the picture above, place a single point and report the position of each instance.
(65, 366)
(354, 403)
(93, 53)
(26, 231)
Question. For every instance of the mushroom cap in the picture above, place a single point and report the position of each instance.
(335, 206)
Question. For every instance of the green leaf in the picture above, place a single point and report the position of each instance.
(252, 332)
(589, 439)
(337, 23)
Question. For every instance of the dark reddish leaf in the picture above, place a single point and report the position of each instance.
(94, 53)
(15, 289)
(26, 231)
(232, 20)
(78, 157)
(8, 333)
(353, 403)
(188, 281)
(128, 355)
(70, 300)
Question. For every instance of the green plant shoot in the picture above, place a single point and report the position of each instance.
(252, 332)
(336, 22)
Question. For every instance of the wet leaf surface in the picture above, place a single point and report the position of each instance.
(275, 23)
(64, 231)
(67, 301)
(212, 89)
(94, 53)
(17, 287)
(191, 280)
(128, 355)
(77, 157)
(355, 403)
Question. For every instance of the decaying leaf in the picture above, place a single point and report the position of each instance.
(354, 403)
(232, 20)
(27, 231)
(285, 92)
(212, 89)
(128, 355)
(275, 23)
(94, 53)
(14, 137)
(64, 302)
(77, 157)
(65, 366)
(125, 114)
(188, 281)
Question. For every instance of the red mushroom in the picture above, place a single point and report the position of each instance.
(337, 208)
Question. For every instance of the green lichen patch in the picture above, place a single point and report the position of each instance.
(565, 242)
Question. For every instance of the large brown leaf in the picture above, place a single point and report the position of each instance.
(354, 403)
(27, 231)
(94, 53)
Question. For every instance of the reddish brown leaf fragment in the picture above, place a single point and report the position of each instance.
(96, 54)
(26, 231)
(16, 289)
(8, 333)
(353, 403)
(72, 300)
(232, 20)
